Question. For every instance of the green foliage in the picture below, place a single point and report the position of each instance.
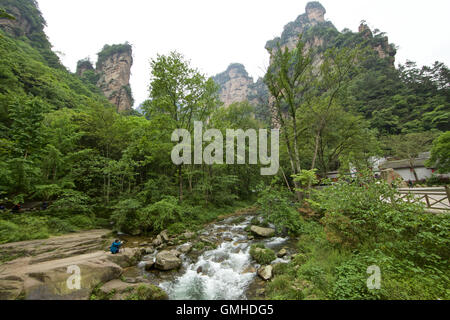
(440, 153)
(359, 229)
(261, 254)
(147, 292)
(162, 214)
(126, 215)
(110, 50)
(5, 15)
(306, 178)
(277, 207)
(62, 142)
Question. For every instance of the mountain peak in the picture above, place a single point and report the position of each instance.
(315, 11)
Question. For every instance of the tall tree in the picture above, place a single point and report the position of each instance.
(409, 146)
(182, 92)
(298, 85)
(440, 153)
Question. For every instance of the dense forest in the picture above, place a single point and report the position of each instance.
(62, 143)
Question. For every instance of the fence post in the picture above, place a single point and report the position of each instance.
(428, 201)
(447, 189)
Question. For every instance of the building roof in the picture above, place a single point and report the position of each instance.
(404, 164)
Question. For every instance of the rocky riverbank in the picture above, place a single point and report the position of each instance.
(212, 264)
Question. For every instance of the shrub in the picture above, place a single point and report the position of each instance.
(81, 222)
(126, 215)
(278, 209)
(21, 228)
(363, 210)
(162, 214)
(177, 228)
(57, 225)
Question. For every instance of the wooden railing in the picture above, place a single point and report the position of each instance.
(436, 199)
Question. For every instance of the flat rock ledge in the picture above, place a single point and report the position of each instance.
(62, 268)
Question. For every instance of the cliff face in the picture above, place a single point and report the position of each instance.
(83, 66)
(113, 72)
(29, 23)
(318, 34)
(321, 34)
(379, 44)
(17, 27)
(28, 18)
(314, 15)
(235, 84)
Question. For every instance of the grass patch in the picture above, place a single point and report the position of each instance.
(261, 254)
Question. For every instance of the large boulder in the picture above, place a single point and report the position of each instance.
(48, 269)
(263, 232)
(168, 260)
(52, 284)
(265, 272)
(127, 257)
(185, 248)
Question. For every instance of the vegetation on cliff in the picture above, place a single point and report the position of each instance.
(110, 50)
(31, 18)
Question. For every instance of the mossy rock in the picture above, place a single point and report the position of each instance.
(120, 290)
(261, 254)
(147, 292)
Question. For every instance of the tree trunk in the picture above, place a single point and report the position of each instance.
(180, 179)
(286, 180)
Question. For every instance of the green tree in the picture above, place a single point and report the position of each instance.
(440, 153)
(409, 146)
(181, 92)
(297, 86)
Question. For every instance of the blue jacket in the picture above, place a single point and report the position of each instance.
(115, 247)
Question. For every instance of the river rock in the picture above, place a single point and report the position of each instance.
(157, 241)
(265, 272)
(149, 265)
(126, 258)
(164, 236)
(148, 250)
(188, 235)
(249, 269)
(168, 260)
(186, 248)
(263, 232)
(282, 253)
(176, 253)
(206, 240)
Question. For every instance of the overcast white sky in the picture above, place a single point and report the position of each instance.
(215, 33)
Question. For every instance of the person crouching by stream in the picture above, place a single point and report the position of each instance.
(115, 247)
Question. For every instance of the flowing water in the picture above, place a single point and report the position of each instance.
(224, 273)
